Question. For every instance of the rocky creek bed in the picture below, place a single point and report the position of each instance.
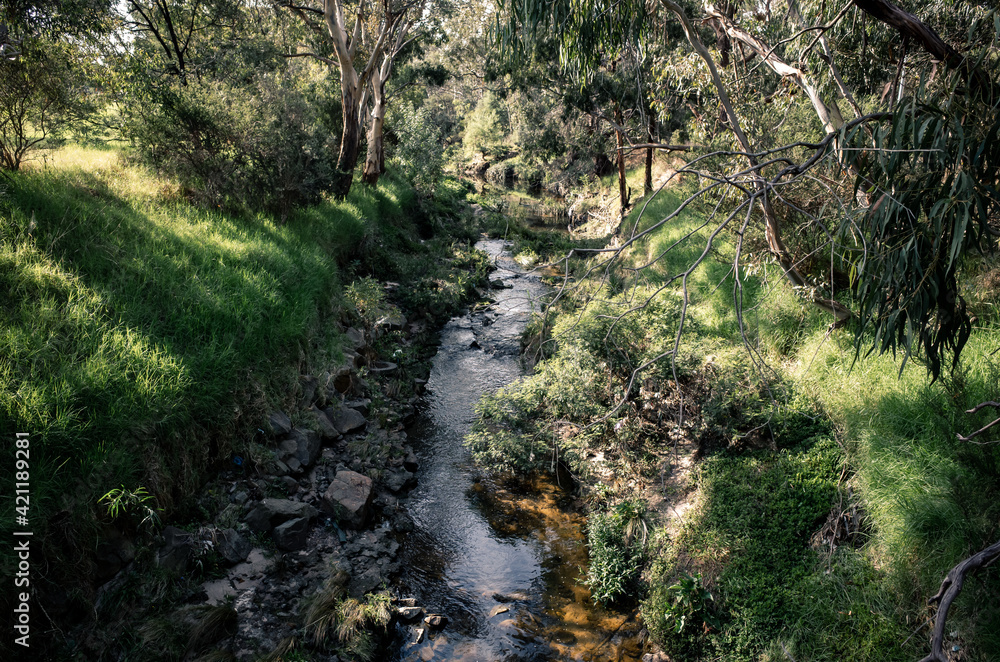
(347, 507)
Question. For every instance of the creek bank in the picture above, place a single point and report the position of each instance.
(312, 511)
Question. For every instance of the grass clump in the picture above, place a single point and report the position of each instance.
(331, 615)
(615, 540)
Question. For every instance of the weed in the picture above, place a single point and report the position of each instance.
(615, 540)
(132, 504)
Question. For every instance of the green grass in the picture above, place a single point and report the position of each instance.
(142, 338)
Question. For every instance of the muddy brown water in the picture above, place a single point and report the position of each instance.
(502, 563)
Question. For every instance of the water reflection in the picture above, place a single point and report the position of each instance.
(501, 561)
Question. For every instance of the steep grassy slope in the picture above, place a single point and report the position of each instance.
(142, 339)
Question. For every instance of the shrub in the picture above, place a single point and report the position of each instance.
(615, 539)
(420, 152)
(258, 145)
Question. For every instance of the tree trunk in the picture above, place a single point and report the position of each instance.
(910, 26)
(651, 130)
(350, 140)
(622, 185)
(375, 157)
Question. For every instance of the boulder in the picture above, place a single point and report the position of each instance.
(435, 621)
(345, 419)
(279, 423)
(294, 466)
(366, 582)
(361, 405)
(410, 614)
(271, 512)
(356, 339)
(175, 552)
(323, 425)
(232, 546)
(309, 386)
(307, 445)
(349, 498)
(400, 480)
(291, 536)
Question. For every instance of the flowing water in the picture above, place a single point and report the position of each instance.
(501, 563)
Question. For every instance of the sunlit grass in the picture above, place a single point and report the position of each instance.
(141, 337)
(927, 499)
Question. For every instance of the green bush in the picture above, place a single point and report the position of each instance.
(420, 151)
(615, 539)
(257, 145)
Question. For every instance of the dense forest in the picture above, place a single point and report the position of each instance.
(765, 375)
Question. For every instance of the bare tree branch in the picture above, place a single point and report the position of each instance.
(985, 427)
(950, 588)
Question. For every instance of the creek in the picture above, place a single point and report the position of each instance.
(502, 562)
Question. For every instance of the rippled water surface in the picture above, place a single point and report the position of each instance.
(502, 564)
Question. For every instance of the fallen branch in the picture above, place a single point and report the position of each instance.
(985, 427)
(950, 588)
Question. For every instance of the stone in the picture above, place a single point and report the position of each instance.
(411, 463)
(279, 422)
(290, 484)
(307, 446)
(294, 466)
(435, 621)
(324, 425)
(176, 550)
(345, 419)
(499, 609)
(309, 386)
(107, 562)
(286, 449)
(361, 405)
(291, 536)
(355, 339)
(658, 656)
(232, 546)
(410, 614)
(366, 582)
(269, 513)
(400, 480)
(218, 591)
(348, 498)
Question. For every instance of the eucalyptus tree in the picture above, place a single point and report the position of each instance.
(176, 28)
(356, 38)
(927, 163)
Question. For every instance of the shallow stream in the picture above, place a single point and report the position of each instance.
(502, 564)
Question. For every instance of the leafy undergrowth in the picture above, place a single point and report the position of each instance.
(832, 495)
(142, 339)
